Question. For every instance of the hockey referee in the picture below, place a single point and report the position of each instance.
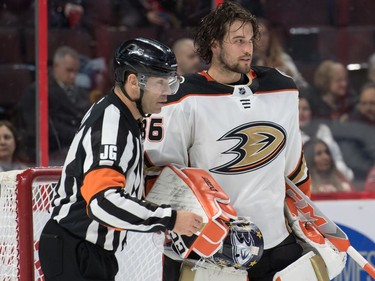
(99, 195)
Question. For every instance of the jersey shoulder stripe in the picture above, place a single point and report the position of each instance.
(264, 80)
(198, 85)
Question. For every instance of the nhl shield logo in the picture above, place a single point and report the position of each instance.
(241, 90)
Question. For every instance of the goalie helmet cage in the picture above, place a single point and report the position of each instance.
(25, 198)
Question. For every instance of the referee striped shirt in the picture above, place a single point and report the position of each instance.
(101, 187)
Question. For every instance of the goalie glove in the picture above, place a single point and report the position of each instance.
(335, 261)
(195, 190)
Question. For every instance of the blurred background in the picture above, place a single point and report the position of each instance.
(325, 45)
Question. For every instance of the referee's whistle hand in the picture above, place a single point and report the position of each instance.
(187, 223)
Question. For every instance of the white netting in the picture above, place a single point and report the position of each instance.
(140, 261)
(9, 265)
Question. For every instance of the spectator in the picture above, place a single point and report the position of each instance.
(370, 180)
(331, 97)
(130, 13)
(188, 61)
(356, 141)
(93, 76)
(269, 52)
(163, 13)
(324, 175)
(371, 68)
(11, 156)
(67, 104)
(160, 13)
(66, 13)
(314, 129)
(365, 109)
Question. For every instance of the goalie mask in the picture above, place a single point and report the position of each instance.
(243, 246)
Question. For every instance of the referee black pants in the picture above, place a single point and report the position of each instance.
(272, 261)
(64, 257)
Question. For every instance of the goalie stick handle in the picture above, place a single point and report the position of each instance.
(361, 261)
(313, 214)
(351, 251)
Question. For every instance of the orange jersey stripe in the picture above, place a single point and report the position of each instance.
(305, 187)
(99, 180)
(197, 95)
(298, 178)
(276, 91)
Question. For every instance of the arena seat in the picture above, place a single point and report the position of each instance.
(312, 44)
(361, 12)
(289, 13)
(171, 35)
(14, 80)
(353, 44)
(109, 38)
(78, 39)
(10, 47)
(100, 13)
(16, 5)
(356, 43)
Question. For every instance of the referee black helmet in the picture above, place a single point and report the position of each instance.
(146, 57)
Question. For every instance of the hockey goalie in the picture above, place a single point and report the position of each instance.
(227, 245)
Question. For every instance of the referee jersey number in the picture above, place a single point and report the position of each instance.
(155, 131)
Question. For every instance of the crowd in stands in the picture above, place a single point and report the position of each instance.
(325, 177)
(269, 52)
(12, 156)
(315, 129)
(337, 114)
(188, 59)
(67, 104)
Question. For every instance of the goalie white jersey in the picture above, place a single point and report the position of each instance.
(246, 135)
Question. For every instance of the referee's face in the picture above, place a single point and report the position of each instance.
(156, 91)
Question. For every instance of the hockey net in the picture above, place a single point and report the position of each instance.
(25, 198)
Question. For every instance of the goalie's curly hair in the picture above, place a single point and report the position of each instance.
(215, 26)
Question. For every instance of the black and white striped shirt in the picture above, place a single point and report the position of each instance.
(101, 188)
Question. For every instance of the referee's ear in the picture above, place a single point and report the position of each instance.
(132, 86)
(133, 79)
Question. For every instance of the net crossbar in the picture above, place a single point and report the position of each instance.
(25, 198)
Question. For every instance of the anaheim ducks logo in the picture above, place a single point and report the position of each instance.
(259, 143)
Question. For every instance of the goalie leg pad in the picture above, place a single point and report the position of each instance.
(211, 273)
(334, 260)
(309, 267)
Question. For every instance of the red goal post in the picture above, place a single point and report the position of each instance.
(25, 198)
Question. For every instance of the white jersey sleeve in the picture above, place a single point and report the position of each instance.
(169, 137)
